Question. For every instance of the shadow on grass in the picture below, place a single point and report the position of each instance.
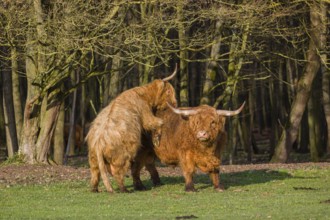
(228, 180)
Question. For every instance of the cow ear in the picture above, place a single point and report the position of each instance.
(222, 120)
(185, 117)
(159, 85)
(162, 85)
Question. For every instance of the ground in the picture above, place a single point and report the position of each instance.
(42, 174)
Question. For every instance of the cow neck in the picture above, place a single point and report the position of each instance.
(143, 93)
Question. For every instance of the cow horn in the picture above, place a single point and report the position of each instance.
(231, 113)
(173, 74)
(185, 112)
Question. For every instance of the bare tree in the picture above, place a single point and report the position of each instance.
(289, 134)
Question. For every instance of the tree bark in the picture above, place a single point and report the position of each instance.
(314, 131)
(148, 60)
(184, 96)
(9, 112)
(326, 100)
(35, 62)
(211, 67)
(59, 137)
(71, 142)
(114, 80)
(46, 133)
(72, 130)
(2, 118)
(289, 134)
(16, 91)
(30, 127)
(325, 69)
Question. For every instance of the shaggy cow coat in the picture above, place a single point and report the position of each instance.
(192, 142)
(115, 135)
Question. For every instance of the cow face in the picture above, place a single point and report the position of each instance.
(205, 121)
(165, 94)
(206, 124)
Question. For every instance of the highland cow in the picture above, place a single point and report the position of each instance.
(77, 136)
(191, 138)
(115, 135)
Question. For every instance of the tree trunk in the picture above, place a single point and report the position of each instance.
(34, 65)
(82, 113)
(46, 133)
(2, 118)
(291, 79)
(325, 71)
(211, 67)
(326, 100)
(9, 112)
(59, 137)
(303, 134)
(289, 134)
(184, 100)
(30, 127)
(275, 105)
(148, 61)
(232, 133)
(231, 94)
(115, 77)
(314, 133)
(72, 131)
(16, 91)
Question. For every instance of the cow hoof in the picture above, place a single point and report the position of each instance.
(219, 189)
(157, 184)
(124, 191)
(191, 190)
(95, 190)
(140, 188)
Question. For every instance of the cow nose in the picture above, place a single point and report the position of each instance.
(203, 135)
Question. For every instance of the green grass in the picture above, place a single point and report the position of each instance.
(282, 194)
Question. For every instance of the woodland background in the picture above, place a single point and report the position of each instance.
(62, 61)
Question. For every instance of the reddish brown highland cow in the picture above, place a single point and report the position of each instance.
(115, 135)
(191, 138)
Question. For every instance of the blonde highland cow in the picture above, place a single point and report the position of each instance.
(114, 137)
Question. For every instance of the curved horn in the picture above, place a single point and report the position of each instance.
(185, 112)
(231, 113)
(173, 74)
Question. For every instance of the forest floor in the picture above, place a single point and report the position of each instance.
(24, 174)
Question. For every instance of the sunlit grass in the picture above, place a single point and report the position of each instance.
(265, 194)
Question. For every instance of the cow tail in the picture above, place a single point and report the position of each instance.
(103, 172)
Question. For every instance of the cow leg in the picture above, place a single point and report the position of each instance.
(102, 167)
(95, 178)
(214, 176)
(189, 185)
(153, 173)
(118, 173)
(136, 167)
(95, 171)
(211, 165)
(207, 163)
(149, 121)
(188, 169)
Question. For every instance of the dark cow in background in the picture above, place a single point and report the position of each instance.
(114, 137)
(77, 136)
(191, 138)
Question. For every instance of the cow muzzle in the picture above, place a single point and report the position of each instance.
(203, 136)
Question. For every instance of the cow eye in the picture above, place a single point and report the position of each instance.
(213, 124)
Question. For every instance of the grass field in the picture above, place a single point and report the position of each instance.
(254, 194)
